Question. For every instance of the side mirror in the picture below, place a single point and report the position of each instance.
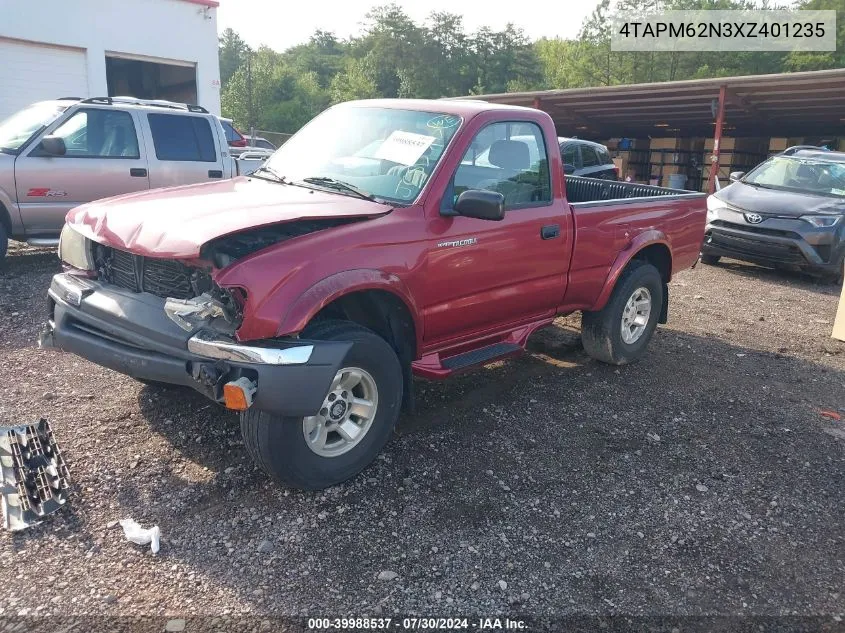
(568, 168)
(736, 175)
(484, 205)
(54, 145)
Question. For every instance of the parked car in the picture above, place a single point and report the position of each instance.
(55, 155)
(258, 142)
(785, 213)
(585, 158)
(251, 160)
(305, 296)
(234, 138)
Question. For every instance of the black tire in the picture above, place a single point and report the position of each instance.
(601, 332)
(710, 260)
(277, 444)
(4, 241)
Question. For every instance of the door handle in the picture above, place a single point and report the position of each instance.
(550, 231)
(138, 172)
(215, 173)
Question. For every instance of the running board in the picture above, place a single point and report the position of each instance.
(480, 356)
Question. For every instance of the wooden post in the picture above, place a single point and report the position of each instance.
(717, 140)
(839, 323)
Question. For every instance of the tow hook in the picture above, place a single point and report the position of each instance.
(238, 394)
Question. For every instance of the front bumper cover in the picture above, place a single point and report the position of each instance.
(130, 333)
(777, 242)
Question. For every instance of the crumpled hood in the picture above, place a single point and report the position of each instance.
(774, 202)
(177, 221)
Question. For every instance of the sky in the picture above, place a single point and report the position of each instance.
(281, 24)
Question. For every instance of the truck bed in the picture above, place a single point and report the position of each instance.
(581, 190)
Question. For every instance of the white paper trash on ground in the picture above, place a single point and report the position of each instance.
(141, 536)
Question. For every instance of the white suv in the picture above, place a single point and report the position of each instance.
(55, 155)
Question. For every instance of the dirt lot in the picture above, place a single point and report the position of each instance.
(701, 480)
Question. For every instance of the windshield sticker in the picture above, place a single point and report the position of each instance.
(404, 148)
(443, 122)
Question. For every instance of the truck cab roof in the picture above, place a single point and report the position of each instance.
(466, 108)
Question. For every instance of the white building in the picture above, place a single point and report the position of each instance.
(152, 49)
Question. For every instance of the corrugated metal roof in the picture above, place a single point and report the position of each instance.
(784, 104)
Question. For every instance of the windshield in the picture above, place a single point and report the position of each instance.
(794, 173)
(19, 128)
(386, 153)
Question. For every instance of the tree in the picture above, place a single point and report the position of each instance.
(323, 55)
(355, 81)
(233, 52)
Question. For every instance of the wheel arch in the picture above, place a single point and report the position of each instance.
(379, 303)
(652, 247)
(5, 219)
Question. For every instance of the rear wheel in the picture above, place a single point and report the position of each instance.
(710, 260)
(351, 427)
(619, 333)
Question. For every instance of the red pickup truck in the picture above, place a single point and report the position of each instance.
(387, 238)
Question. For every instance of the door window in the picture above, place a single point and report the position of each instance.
(589, 156)
(182, 138)
(570, 155)
(509, 158)
(96, 133)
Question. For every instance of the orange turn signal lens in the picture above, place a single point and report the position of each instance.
(237, 395)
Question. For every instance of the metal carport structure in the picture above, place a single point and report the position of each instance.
(783, 104)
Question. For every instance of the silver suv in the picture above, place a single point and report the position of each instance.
(55, 155)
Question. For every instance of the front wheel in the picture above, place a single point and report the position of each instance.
(351, 427)
(619, 333)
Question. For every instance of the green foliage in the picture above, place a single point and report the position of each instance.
(396, 57)
(233, 53)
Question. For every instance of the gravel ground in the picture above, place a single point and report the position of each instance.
(699, 481)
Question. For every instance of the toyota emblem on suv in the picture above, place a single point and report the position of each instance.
(753, 218)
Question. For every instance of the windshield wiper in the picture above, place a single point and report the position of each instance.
(339, 185)
(276, 177)
(757, 184)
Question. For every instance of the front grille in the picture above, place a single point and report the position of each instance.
(753, 228)
(161, 277)
(784, 253)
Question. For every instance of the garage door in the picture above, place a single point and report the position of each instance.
(34, 72)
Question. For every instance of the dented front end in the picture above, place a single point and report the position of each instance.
(167, 320)
(132, 333)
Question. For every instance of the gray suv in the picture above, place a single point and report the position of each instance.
(586, 158)
(785, 213)
(56, 155)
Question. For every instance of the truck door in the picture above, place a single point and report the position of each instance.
(103, 157)
(482, 274)
(185, 150)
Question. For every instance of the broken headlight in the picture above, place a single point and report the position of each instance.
(75, 249)
(216, 305)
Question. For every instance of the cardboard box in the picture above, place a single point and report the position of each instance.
(658, 171)
(664, 157)
(778, 143)
(723, 173)
(621, 165)
(670, 143)
(733, 144)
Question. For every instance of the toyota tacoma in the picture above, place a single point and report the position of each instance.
(386, 239)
